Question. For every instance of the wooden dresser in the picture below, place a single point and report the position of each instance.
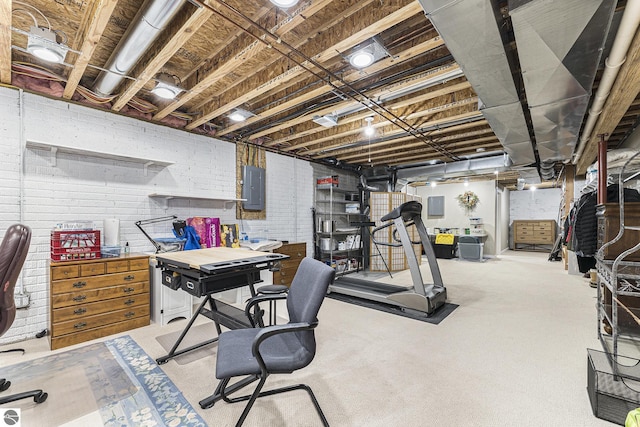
(94, 298)
(296, 251)
(532, 233)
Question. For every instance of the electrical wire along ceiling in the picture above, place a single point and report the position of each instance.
(360, 84)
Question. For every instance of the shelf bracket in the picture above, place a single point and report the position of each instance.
(54, 156)
(146, 167)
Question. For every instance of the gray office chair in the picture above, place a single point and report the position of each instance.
(13, 252)
(255, 353)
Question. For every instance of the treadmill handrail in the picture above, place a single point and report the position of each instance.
(394, 235)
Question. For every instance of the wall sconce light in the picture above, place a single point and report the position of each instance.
(284, 3)
(42, 44)
(165, 87)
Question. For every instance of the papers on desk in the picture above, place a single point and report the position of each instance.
(262, 245)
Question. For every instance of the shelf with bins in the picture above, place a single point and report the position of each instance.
(331, 204)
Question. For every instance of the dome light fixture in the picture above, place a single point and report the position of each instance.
(362, 58)
(165, 87)
(240, 115)
(284, 3)
(42, 44)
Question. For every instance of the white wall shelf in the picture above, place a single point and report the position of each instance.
(55, 148)
(225, 201)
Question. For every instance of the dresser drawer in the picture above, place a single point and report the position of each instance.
(92, 269)
(296, 251)
(118, 266)
(82, 336)
(65, 272)
(83, 297)
(84, 283)
(81, 311)
(90, 322)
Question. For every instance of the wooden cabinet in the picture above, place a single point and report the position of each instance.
(288, 269)
(608, 216)
(94, 298)
(532, 233)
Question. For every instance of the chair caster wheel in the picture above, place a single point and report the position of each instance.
(4, 384)
(41, 397)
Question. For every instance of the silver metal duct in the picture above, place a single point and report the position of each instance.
(152, 18)
(559, 47)
(470, 31)
(456, 169)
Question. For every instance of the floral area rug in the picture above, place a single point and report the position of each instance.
(112, 383)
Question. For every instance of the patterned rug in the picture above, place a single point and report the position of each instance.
(114, 383)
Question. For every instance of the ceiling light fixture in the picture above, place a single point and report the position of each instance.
(165, 87)
(369, 130)
(433, 184)
(362, 58)
(328, 120)
(42, 43)
(466, 182)
(240, 115)
(284, 3)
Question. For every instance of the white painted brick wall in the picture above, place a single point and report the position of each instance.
(83, 187)
(539, 204)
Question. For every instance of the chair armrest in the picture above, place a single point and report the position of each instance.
(258, 299)
(270, 331)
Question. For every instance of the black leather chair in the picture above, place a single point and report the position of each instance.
(256, 353)
(13, 252)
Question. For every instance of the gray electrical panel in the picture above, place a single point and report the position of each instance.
(435, 205)
(253, 188)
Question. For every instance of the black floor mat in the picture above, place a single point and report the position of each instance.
(436, 317)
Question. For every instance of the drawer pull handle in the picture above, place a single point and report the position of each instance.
(129, 302)
(299, 254)
(80, 298)
(190, 285)
(80, 325)
(282, 273)
(129, 314)
(130, 277)
(127, 290)
(80, 311)
(80, 284)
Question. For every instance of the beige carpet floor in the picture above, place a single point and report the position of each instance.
(513, 354)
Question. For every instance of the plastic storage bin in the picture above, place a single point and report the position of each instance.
(470, 248)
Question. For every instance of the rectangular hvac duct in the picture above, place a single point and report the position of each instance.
(508, 123)
(559, 46)
(470, 31)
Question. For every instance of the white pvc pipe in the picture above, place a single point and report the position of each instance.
(626, 31)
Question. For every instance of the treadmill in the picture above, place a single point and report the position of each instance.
(419, 298)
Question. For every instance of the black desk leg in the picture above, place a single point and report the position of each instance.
(173, 352)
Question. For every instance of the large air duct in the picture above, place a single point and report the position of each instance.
(470, 31)
(152, 18)
(559, 47)
(461, 168)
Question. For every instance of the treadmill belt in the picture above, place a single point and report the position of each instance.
(363, 284)
(435, 318)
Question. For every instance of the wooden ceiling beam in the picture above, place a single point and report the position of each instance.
(5, 41)
(94, 22)
(421, 77)
(213, 110)
(177, 36)
(247, 53)
(325, 89)
(624, 91)
(355, 157)
(396, 131)
(435, 133)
